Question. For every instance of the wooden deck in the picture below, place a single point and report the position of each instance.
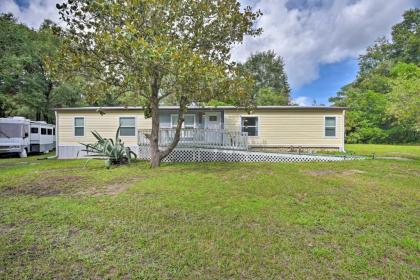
(199, 138)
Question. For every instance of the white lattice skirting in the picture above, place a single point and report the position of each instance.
(206, 155)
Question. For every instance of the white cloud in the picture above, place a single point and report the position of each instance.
(310, 33)
(34, 13)
(307, 33)
(303, 101)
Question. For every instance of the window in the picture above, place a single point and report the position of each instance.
(53, 131)
(250, 125)
(43, 131)
(127, 126)
(49, 131)
(189, 121)
(79, 126)
(34, 130)
(213, 118)
(330, 126)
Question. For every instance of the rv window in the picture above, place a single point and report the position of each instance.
(79, 126)
(330, 126)
(34, 130)
(250, 125)
(49, 131)
(43, 131)
(11, 130)
(127, 126)
(53, 131)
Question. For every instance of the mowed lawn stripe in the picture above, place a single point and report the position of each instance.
(356, 219)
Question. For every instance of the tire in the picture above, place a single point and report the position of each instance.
(23, 154)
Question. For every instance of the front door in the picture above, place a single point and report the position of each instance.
(213, 120)
(212, 125)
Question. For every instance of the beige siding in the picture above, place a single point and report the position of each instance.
(289, 127)
(277, 128)
(106, 125)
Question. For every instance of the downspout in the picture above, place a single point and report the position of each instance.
(56, 134)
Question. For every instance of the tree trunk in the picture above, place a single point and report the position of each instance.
(154, 136)
(171, 147)
(156, 155)
(47, 96)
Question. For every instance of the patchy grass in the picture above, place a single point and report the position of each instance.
(355, 219)
(402, 151)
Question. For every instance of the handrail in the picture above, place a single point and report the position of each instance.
(199, 138)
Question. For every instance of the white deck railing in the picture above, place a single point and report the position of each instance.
(199, 138)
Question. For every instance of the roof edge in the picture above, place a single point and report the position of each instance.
(201, 108)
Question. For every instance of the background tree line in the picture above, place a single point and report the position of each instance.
(29, 88)
(384, 100)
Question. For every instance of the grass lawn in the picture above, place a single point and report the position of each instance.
(343, 220)
(404, 151)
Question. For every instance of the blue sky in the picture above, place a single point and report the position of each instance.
(331, 78)
(319, 40)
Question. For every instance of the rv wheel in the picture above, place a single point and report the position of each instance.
(23, 153)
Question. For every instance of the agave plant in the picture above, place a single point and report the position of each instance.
(113, 150)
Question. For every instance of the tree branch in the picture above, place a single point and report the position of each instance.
(182, 107)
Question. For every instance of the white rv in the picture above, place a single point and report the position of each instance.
(23, 136)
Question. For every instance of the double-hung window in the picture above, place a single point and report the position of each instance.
(250, 125)
(127, 126)
(189, 121)
(330, 126)
(79, 126)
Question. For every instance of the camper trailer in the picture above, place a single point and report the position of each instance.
(22, 136)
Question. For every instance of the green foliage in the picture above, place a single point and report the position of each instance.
(268, 96)
(406, 38)
(384, 100)
(27, 87)
(114, 150)
(405, 95)
(271, 86)
(179, 48)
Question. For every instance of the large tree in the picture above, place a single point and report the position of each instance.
(384, 98)
(156, 49)
(27, 88)
(271, 85)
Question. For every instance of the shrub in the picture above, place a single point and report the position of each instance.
(114, 151)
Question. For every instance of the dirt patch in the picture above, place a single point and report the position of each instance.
(332, 172)
(46, 186)
(112, 188)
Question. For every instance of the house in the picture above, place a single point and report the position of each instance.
(265, 128)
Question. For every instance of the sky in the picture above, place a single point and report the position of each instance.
(319, 40)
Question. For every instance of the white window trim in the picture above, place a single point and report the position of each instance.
(336, 125)
(258, 124)
(183, 124)
(135, 126)
(74, 126)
